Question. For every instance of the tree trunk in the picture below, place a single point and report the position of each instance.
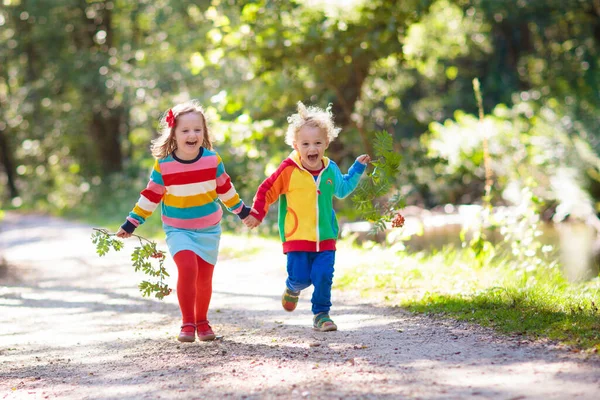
(595, 12)
(7, 164)
(106, 127)
(106, 122)
(347, 95)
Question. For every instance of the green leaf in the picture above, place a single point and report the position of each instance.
(141, 259)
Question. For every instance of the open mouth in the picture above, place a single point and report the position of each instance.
(191, 143)
(313, 157)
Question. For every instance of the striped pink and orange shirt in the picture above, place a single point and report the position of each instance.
(188, 193)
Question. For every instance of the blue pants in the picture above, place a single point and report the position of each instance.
(305, 268)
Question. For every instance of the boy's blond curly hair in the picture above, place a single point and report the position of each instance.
(311, 116)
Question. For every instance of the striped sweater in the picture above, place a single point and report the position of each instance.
(187, 192)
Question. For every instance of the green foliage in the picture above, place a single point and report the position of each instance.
(445, 35)
(521, 231)
(479, 248)
(570, 319)
(372, 197)
(83, 84)
(523, 143)
(518, 226)
(104, 242)
(533, 303)
(141, 259)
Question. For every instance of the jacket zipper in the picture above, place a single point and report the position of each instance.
(318, 184)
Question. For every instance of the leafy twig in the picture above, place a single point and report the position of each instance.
(141, 260)
(381, 181)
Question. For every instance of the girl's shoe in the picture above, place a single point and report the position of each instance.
(205, 332)
(289, 300)
(323, 323)
(187, 336)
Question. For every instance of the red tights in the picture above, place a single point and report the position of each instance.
(194, 286)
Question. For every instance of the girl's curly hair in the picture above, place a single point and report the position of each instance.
(311, 116)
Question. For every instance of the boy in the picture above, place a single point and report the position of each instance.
(305, 184)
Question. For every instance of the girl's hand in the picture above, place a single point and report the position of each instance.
(364, 159)
(251, 222)
(122, 234)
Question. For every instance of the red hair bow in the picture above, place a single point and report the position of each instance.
(170, 119)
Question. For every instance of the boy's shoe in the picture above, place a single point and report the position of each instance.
(205, 332)
(187, 335)
(322, 323)
(289, 299)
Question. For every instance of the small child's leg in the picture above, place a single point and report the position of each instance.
(298, 268)
(203, 295)
(203, 288)
(187, 268)
(322, 278)
(321, 275)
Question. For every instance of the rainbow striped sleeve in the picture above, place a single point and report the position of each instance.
(149, 199)
(226, 191)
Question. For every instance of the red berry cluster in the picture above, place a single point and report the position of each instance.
(158, 255)
(398, 221)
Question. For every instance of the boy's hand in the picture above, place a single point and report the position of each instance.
(251, 222)
(122, 234)
(364, 159)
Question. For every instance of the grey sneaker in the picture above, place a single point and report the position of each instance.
(322, 323)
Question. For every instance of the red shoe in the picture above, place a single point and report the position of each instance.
(205, 332)
(187, 336)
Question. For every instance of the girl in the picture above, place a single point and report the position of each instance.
(187, 178)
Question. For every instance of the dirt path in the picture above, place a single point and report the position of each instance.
(74, 326)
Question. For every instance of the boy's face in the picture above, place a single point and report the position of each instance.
(189, 135)
(311, 143)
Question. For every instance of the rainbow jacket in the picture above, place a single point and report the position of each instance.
(307, 221)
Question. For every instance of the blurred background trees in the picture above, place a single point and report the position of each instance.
(83, 83)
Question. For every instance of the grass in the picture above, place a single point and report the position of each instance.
(539, 304)
(537, 313)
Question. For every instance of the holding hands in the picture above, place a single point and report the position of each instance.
(251, 222)
(364, 159)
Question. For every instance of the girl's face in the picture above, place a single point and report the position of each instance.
(189, 135)
(311, 143)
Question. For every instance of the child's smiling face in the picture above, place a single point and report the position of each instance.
(311, 142)
(189, 135)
